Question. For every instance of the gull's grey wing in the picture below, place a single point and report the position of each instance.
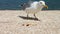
(25, 5)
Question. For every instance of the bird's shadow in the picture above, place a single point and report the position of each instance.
(29, 18)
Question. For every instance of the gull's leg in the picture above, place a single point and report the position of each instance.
(27, 15)
(35, 15)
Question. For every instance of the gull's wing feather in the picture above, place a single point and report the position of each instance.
(25, 5)
(34, 4)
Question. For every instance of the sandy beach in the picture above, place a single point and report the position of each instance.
(11, 23)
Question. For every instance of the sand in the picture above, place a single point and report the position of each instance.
(11, 23)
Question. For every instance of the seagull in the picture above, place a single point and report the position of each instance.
(35, 7)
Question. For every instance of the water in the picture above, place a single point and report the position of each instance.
(16, 4)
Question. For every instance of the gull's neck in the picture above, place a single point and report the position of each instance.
(39, 7)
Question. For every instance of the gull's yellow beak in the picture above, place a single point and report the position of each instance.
(46, 6)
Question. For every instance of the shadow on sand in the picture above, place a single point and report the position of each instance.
(29, 18)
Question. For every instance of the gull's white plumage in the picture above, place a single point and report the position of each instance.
(35, 7)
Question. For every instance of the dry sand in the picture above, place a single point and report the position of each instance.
(11, 23)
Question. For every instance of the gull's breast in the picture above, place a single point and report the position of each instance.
(31, 11)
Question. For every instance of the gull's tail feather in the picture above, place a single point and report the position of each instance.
(25, 5)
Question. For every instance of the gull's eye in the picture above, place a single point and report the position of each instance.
(40, 2)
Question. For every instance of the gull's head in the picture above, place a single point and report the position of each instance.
(42, 3)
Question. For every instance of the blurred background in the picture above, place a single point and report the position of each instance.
(16, 4)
